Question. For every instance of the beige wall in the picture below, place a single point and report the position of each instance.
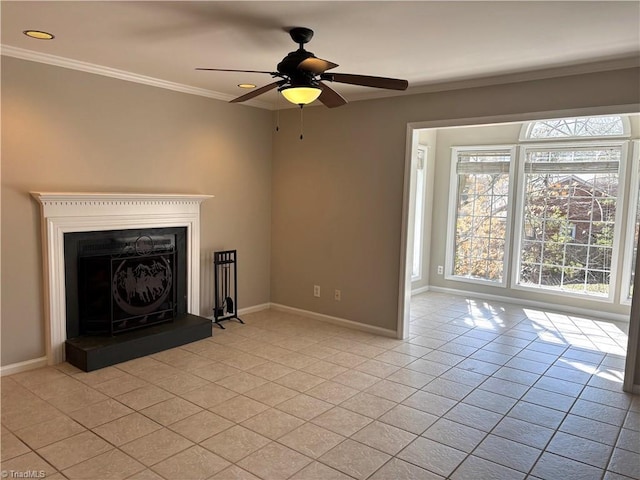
(64, 130)
(335, 216)
(337, 195)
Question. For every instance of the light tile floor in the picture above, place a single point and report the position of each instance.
(480, 390)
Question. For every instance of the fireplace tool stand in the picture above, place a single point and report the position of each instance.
(226, 287)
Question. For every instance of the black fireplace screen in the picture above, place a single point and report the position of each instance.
(125, 281)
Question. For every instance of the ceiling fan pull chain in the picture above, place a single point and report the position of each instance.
(301, 124)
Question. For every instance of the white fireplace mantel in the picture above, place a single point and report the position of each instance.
(85, 212)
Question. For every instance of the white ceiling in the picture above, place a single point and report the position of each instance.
(431, 44)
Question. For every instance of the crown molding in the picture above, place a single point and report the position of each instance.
(452, 84)
(461, 83)
(531, 75)
(64, 62)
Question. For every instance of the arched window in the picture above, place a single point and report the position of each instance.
(576, 128)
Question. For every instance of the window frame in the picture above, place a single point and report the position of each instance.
(630, 231)
(511, 150)
(422, 201)
(518, 214)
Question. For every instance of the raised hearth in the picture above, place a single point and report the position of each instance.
(97, 351)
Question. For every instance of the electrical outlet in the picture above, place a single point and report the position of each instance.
(316, 290)
(337, 295)
(440, 270)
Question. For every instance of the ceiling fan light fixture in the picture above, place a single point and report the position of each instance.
(301, 95)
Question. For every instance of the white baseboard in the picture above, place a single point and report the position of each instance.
(255, 308)
(23, 366)
(42, 361)
(419, 290)
(343, 322)
(615, 317)
(247, 310)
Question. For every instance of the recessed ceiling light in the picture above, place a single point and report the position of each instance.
(246, 85)
(39, 34)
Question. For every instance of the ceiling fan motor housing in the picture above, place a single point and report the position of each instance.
(289, 64)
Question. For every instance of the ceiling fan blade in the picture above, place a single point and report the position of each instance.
(316, 65)
(330, 98)
(366, 80)
(241, 71)
(258, 91)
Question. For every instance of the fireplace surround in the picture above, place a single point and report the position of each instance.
(64, 213)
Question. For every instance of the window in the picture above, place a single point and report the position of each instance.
(480, 213)
(421, 175)
(568, 217)
(569, 182)
(576, 128)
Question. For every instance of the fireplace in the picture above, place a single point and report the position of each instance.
(155, 233)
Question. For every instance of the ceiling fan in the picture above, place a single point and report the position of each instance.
(302, 75)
